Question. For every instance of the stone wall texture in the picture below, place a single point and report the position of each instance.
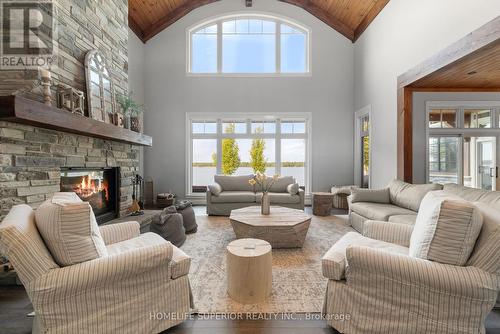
(31, 157)
(81, 25)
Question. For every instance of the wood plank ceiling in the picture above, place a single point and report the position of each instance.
(349, 17)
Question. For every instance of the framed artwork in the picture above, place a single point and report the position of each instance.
(100, 93)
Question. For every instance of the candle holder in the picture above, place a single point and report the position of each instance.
(47, 95)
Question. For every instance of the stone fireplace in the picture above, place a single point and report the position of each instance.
(32, 157)
(98, 186)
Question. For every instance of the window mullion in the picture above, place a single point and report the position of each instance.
(278, 47)
(277, 148)
(219, 147)
(219, 47)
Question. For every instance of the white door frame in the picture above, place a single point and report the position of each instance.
(358, 115)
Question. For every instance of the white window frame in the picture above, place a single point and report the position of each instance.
(220, 118)
(245, 15)
(358, 117)
(460, 131)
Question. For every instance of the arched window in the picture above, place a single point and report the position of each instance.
(248, 44)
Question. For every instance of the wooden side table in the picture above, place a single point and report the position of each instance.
(322, 203)
(249, 270)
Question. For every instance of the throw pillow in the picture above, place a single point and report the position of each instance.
(370, 195)
(70, 230)
(293, 188)
(215, 189)
(446, 229)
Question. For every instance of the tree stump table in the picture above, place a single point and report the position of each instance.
(322, 203)
(249, 270)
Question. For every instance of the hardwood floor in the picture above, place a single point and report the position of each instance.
(15, 305)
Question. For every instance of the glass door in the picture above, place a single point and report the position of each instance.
(365, 151)
(486, 163)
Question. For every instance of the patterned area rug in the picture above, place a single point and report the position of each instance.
(298, 285)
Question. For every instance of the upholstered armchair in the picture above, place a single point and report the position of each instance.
(375, 286)
(141, 286)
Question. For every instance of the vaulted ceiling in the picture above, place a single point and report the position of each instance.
(349, 17)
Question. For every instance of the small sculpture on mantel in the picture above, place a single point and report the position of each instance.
(70, 99)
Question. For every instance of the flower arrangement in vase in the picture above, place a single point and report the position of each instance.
(265, 183)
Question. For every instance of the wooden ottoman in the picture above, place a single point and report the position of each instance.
(249, 270)
(322, 203)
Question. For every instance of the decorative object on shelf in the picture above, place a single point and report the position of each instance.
(265, 183)
(100, 94)
(165, 199)
(70, 99)
(131, 111)
(137, 206)
(45, 82)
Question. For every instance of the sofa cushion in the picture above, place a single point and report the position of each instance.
(280, 198)
(293, 188)
(281, 184)
(180, 262)
(403, 219)
(408, 195)
(491, 198)
(486, 253)
(378, 211)
(70, 230)
(234, 197)
(215, 189)
(446, 229)
(370, 195)
(234, 183)
(334, 261)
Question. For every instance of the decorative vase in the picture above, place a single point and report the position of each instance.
(126, 121)
(266, 204)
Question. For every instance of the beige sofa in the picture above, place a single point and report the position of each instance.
(397, 203)
(234, 192)
(374, 282)
(141, 286)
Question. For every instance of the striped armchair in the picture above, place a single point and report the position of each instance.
(142, 285)
(374, 286)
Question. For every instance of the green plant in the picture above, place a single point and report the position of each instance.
(257, 159)
(128, 105)
(230, 153)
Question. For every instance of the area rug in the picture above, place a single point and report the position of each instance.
(298, 285)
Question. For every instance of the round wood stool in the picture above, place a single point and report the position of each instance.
(249, 270)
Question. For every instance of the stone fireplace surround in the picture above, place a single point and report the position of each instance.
(31, 159)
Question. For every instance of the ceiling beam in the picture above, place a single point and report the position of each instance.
(135, 28)
(173, 16)
(369, 17)
(324, 16)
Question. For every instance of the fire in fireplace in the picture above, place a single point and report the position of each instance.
(98, 186)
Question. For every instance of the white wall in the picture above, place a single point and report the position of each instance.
(419, 123)
(327, 94)
(404, 34)
(136, 75)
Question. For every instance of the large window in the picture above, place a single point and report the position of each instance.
(462, 143)
(248, 44)
(271, 144)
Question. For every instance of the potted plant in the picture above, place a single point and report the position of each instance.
(265, 183)
(131, 111)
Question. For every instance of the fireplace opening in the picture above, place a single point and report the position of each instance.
(98, 186)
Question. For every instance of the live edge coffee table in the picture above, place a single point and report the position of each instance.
(283, 228)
